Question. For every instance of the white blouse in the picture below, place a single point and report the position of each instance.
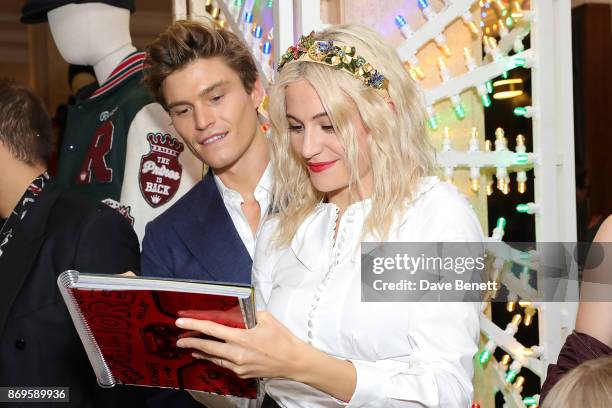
(405, 354)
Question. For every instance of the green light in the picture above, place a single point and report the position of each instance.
(504, 75)
(521, 158)
(489, 86)
(459, 111)
(522, 208)
(530, 401)
(519, 61)
(510, 375)
(432, 122)
(238, 3)
(520, 111)
(270, 3)
(501, 222)
(509, 22)
(484, 356)
(486, 101)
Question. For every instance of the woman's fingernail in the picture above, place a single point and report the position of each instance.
(180, 322)
(180, 343)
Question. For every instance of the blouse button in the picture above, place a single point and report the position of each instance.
(310, 324)
(309, 334)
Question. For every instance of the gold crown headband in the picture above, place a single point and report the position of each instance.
(326, 53)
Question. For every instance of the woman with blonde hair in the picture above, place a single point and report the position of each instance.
(587, 385)
(351, 164)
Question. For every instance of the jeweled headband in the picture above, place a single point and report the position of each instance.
(326, 53)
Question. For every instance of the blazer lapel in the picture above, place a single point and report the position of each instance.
(212, 239)
(22, 250)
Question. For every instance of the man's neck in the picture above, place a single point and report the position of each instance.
(244, 175)
(14, 183)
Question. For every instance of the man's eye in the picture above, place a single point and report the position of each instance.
(216, 98)
(180, 111)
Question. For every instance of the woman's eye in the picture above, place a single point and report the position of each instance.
(328, 128)
(295, 128)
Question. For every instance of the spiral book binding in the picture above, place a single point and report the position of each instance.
(104, 376)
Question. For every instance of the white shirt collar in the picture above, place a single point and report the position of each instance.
(264, 185)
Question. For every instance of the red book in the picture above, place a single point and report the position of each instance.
(127, 327)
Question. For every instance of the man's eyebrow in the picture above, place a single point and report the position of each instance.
(204, 91)
(317, 116)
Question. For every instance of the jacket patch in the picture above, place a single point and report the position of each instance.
(124, 210)
(160, 170)
(94, 165)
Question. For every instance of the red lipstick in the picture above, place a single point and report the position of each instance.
(320, 166)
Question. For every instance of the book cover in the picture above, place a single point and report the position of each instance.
(129, 324)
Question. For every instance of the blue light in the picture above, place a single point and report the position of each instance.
(248, 17)
(258, 32)
(400, 21)
(267, 48)
(423, 4)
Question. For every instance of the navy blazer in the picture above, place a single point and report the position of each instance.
(196, 239)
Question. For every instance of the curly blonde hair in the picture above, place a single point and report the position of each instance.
(399, 151)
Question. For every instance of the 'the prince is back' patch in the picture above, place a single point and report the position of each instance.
(160, 169)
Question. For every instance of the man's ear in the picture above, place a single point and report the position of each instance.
(258, 93)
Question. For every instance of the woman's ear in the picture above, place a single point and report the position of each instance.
(391, 104)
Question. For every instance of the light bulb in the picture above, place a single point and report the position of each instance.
(475, 184)
(529, 313)
(518, 384)
(521, 180)
(524, 111)
(403, 26)
(446, 142)
(432, 120)
(426, 10)
(469, 21)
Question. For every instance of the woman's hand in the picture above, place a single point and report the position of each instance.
(268, 350)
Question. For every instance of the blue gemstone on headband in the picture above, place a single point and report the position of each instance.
(325, 46)
(376, 79)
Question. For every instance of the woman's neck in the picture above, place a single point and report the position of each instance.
(346, 196)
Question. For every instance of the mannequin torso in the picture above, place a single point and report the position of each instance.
(116, 132)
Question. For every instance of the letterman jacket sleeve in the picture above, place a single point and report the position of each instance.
(148, 193)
